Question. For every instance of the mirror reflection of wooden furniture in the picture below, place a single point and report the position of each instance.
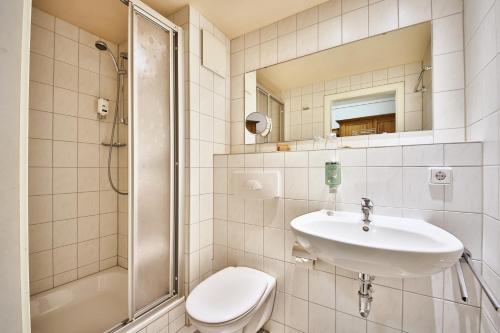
(367, 125)
(251, 125)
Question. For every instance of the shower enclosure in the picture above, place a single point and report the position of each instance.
(139, 166)
(155, 153)
(273, 108)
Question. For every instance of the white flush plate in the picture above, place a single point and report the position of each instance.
(256, 184)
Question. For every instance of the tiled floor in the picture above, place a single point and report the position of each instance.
(189, 329)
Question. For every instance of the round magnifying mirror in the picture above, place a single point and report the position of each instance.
(258, 123)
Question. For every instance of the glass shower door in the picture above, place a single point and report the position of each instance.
(262, 107)
(275, 113)
(153, 157)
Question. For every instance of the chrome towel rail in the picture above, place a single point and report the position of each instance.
(461, 280)
(466, 257)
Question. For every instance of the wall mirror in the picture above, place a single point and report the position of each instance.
(381, 84)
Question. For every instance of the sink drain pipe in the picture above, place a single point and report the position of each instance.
(365, 294)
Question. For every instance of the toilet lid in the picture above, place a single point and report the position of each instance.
(226, 295)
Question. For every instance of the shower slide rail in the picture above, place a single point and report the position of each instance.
(466, 258)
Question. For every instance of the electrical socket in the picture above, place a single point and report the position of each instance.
(441, 176)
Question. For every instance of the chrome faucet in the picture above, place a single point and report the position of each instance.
(367, 209)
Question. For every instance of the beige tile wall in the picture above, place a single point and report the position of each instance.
(482, 32)
(257, 233)
(72, 209)
(308, 123)
(337, 22)
(207, 133)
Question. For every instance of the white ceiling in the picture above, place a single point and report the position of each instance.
(104, 18)
(391, 49)
(108, 18)
(235, 17)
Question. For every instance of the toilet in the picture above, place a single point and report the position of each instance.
(233, 300)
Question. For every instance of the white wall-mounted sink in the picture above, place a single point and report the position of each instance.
(393, 247)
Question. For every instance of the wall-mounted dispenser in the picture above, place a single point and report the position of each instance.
(333, 175)
(102, 107)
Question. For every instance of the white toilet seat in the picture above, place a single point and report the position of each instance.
(230, 299)
(226, 295)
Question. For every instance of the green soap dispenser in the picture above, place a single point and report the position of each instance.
(333, 175)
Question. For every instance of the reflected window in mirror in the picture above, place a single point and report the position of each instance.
(375, 110)
(375, 114)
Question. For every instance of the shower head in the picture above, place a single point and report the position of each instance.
(102, 46)
(421, 78)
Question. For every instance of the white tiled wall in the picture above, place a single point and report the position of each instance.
(482, 32)
(72, 209)
(304, 106)
(337, 22)
(257, 233)
(207, 133)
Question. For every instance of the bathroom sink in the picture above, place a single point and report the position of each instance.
(392, 247)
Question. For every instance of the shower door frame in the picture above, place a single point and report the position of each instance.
(176, 108)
